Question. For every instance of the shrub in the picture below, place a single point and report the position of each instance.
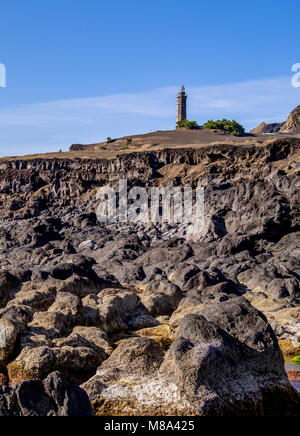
(296, 360)
(109, 140)
(126, 147)
(228, 126)
(192, 125)
(129, 141)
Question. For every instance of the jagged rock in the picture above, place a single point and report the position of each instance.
(166, 254)
(77, 363)
(38, 296)
(229, 374)
(90, 337)
(52, 324)
(107, 279)
(242, 321)
(32, 363)
(195, 300)
(114, 310)
(70, 306)
(53, 397)
(13, 320)
(130, 274)
(126, 382)
(68, 310)
(133, 358)
(80, 286)
(232, 366)
(183, 273)
(161, 298)
(153, 273)
(74, 264)
(8, 284)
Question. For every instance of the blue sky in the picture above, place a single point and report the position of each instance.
(79, 71)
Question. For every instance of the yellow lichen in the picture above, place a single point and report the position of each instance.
(289, 349)
(17, 373)
(126, 407)
(160, 334)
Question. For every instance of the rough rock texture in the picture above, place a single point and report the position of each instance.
(225, 360)
(293, 122)
(267, 128)
(149, 319)
(291, 126)
(53, 397)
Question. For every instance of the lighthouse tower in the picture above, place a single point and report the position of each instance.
(181, 105)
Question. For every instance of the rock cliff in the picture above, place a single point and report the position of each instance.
(291, 126)
(147, 320)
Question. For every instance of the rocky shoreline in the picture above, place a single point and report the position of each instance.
(145, 320)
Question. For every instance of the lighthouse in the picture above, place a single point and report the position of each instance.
(181, 105)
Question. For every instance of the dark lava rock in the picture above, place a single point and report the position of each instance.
(51, 397)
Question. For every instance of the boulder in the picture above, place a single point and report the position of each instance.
(196, 299)
(134, 358)
(9, 284)
(51, 324)
(126, 384)
(89, 337)
(38, 296)
(183, 273)
(53, 397)
(161, 297)
(80, 286)
(226, 361)
(70, 306)
(13, 321)
(114, 310)
(77, 363)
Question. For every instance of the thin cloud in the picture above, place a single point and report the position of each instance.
(57, 124)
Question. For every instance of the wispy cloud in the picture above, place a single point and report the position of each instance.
(53, 125)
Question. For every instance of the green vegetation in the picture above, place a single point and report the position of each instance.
(228, 126)
(192, 125)
(128, 144)
(103, 148)
(296, 360)
(109, 140)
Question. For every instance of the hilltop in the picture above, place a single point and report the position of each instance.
(171, 139)
(153, 141)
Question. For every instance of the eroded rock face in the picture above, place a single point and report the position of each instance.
(293, 122)
(149, 319)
